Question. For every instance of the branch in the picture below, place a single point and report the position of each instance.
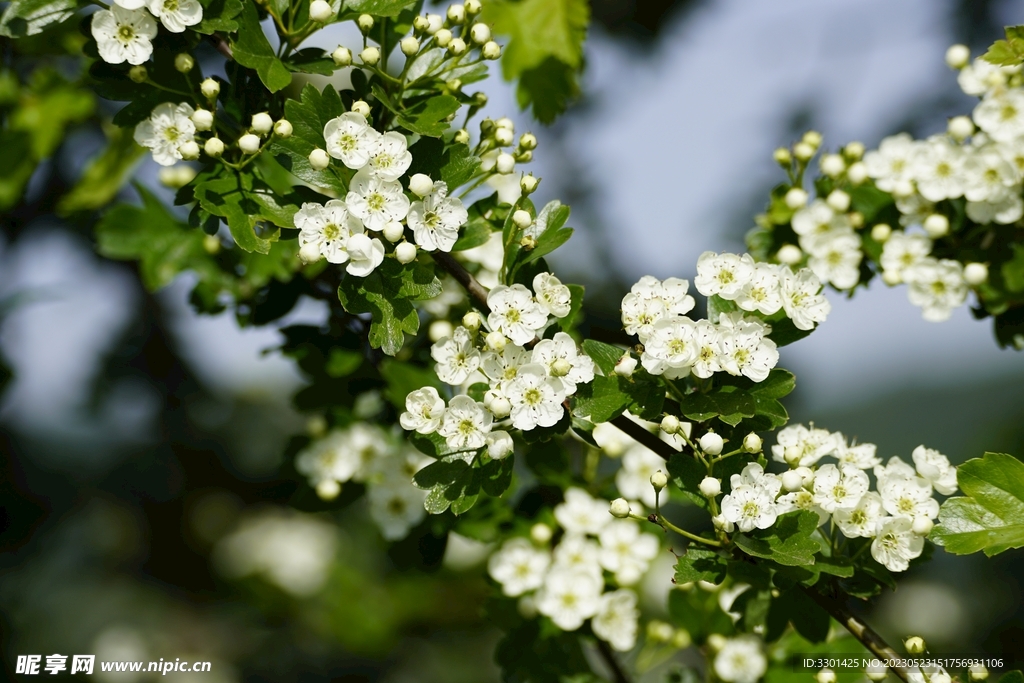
(861, 631)
(221, 45)
(612, 662)
(464, 277)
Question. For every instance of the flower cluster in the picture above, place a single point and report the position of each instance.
(365, 453)
(528, 386)
(124, 33)
(580, 578)
(897, 515)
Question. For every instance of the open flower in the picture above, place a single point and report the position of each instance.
(177, 15)
(327, 227)
(536, 398)
(436, 220)
(350, 138)
(376, 202)
(465, 424)
(123, 35)
(168, 127)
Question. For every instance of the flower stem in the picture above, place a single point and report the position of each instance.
(665, 524)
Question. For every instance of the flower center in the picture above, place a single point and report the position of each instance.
(533, 397)
(467, 427)
(1008, 112)
(125, 33)
(396, 506)
(751, 509)
(331, 232)
(170, 5)
(513, 315)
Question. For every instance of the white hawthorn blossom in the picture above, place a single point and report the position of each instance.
(328, 227)
(514, 313)
(835, 258)
(890, 165)
(802, 299)
(902, 251)
(581, 513)
(909, 497)
(837, 488)
(376, 202)
(1001, 115)
(501, 368)
(563, 361)
(762, 293)
(749, 507)
(436, 219)
(569, 598)
(937, 286)
(456, 357)
(799, 446)
(744, 350)
(390, 158)
(741, 660)
(938, 169)
(465, 424)
(124, 35)
(424, 409)
(177, 15)
(895, 543)
(723, 274)
(350, 138)
(167, 128)
(616, 619)
(934, 467)
(708, 349)
(860, 521)
(519, 567)
(671, 349)
(536, 398)
(396, 507)
(577, 553)
(364, 254)
(633, 480)
(552, 296)
(626, 552)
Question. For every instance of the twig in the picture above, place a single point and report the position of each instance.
(618, 674)
(465, 278)
(221, 45)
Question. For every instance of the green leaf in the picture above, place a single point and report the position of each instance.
(1013, 270)
(784, 332)
(308, 116)
(219, 15)
(576, 294)
(377, 8)
(1007, 52)
(241, 201)
(990, 517)
(552, 234)
(796, 607)
(697, 564)
(727, 402)
(787, 542)
(29, 17)
(311, 60)
(104, 176)
(16, 166)
(605, 356)
(548, 89)
(475, 233)
(403, 378)
(429, 118)
(252, 49)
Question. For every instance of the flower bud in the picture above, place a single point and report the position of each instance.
(903, 188)
(342, 56)
(184, 63)
(857, 173)
(681, 639)
(210, 88)
(283, 128)
(262, 123)
(792, 481)
(561, 368)
(249, 143)
(410, 45)
(977, 672)
(439, 329)
(370, 55)
(752, 443)
(958, 56)
(496, 341)
(434, 23)
(528, 141)
(528, 184)
(365, 23)
(473, 7)
(782, 156)
(490, 50)
(503, 136)
(362, 108)
(625, 366)
(812, 138)
(922, 526)
(803, 151)
(500, 407)
(505, 163)
(876, 671)
(619, 508)
(659, 480)
(319, 160)
(421, 185)
(881, 232)
(892, 277)
(505, 122)
(838, 200)
(936, 225)
(540, 533)
(328, 489)
(915, 645)
(456, 14)
(723, 524)
(975, 274)
(796, 198)
(480, 33)
(522, 219)
(443, 37)
(832, 165)
(825, 676)
(138, 74)
(789, 254)
(457, 47)
(670, 424)
(203, 119)
(711, 443)
(189, 150)
(461, 136)
(529, 242)
(710, 487)
(309, 253)
(321, 11)
(211, 244)
(405, 252)
(472, 321)
(659, 631)
(854, 150)
(214, 147)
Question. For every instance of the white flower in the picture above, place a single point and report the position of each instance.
(633, 480)
(935, 467)
(123, 35)
(754, 475)
(836, 488)
(639, 315)
(762, 292)
(708, 349)
(561, 359)
(577, 553)
(580, 513)
(350, 138)
(980, 76)
(741, 660)
(671, 348)
(536, 398)
(989, 176)
(896, 543)
(396, 508)
(890, 165)
(723, 274)
(502, 368)
(901, 251)
(569, 598)
(364, 253)
(519, 567)
(938, 169)
(424, 409)
(1004, 210)
(456, 357)
(745, 351)
(860, 521)
(616, 619)
(749, 507)
(327, 227)
(177, 15)
(909, 497)
(465, 424)
(835, 258)
(435, 221)
(514, 313)
(626, 552)
(390, 159)
(376, 202)
(801, 500)
(799, 446)
(671, 291)
(554, 297)
(936, 286)
(802, 299)
(167, 128)
(343, 455)
(816, 221)
(499, 445)
(1001, 115)
(896, 468)
(862, 456)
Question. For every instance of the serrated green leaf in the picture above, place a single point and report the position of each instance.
(548, 89)
(403, 378)
(1007, 52)
(29, 17)
(990, 517)
(104, 175)
(787, 542)
(252, 49)
(1013, 270)
(697, 564)
(308, 116)
(605, 356)
(219, 15)
(429, 118)
(231, 196)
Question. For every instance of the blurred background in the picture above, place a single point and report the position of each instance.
(145, 499)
